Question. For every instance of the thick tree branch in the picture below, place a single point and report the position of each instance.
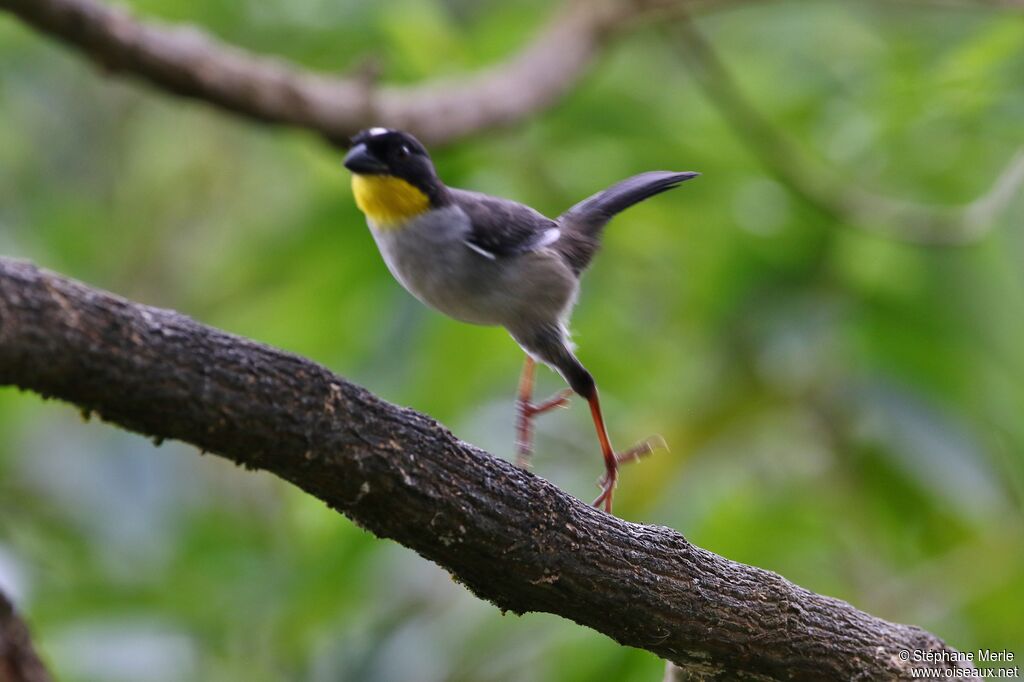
(509, 536)
(191, 63)
(18, 659)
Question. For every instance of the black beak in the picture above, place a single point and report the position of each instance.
(360, 160)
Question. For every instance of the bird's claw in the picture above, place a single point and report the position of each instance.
(607, 484)
(610, 479)
(648, 446)
(528, 410)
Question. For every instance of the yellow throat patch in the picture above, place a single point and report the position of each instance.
(387, 200)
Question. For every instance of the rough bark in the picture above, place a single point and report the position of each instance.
(511, 537)
(188, 62)
(18, 659)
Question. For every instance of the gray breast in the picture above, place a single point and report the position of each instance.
(430, 258)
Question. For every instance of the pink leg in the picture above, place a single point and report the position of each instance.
(526, 411)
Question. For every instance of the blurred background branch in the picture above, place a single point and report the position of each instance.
(510, 537)
(842, 199)
(18, 659)
(189, 62)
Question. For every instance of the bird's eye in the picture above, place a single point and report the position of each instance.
(403, 151)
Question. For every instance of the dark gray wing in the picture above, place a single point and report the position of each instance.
(500, 228)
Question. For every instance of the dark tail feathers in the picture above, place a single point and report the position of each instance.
(582, 224)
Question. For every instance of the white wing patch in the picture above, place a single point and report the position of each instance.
(551, 235)
(483, 252)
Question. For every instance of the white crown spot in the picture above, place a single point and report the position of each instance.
(373, 132)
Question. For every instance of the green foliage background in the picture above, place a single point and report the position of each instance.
(843, 409)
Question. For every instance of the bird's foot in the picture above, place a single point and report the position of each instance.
(607, 485)
(611, 475)
(647, 446)
(525, 412)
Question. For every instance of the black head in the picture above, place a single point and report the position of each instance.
(385, 151)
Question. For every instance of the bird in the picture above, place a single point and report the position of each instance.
(486, 260)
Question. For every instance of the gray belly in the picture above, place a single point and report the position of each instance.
(430, 259)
